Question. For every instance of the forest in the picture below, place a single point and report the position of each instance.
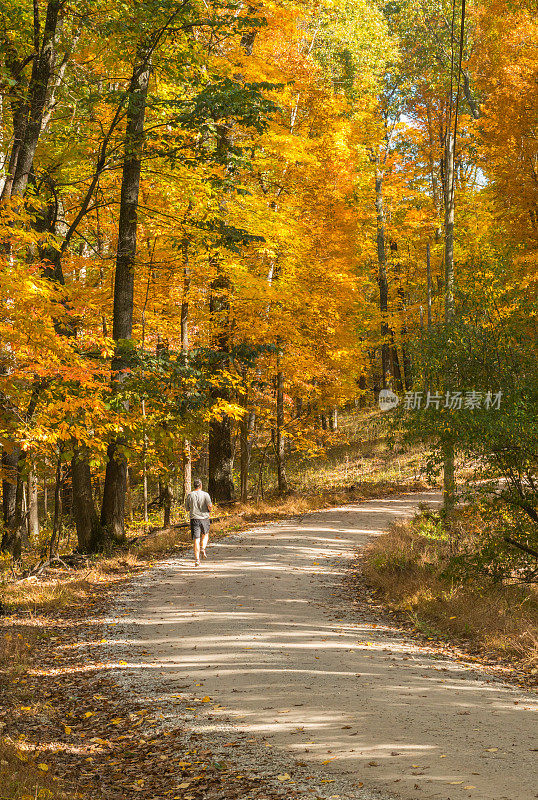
(222, 223)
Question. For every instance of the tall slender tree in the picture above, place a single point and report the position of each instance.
(113, 506)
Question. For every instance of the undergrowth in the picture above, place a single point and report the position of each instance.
(412, 569)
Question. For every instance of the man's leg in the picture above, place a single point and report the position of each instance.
(195, 533)
(205, 536)
(196, 545)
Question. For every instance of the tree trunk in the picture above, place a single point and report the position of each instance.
(129, 498)
(449, 480)
(67, 494)
(429, 285)
(407, 367)
(89, 532)
(42, 70)
(280, 454)
(449, 483)
(144, 465)
(405, 364)
(33, 513)
(167, 504)
(395, 365)
(27, 122)
(221, 487)
(113, 508)
(57, 524)
(10, 459)
(20, 118)
(246, 428)
(436, 194)
(449, 228)
(333, 420)
(186, 450)
(220, 468)
(187, 467)
(382, 279)
(14, 532)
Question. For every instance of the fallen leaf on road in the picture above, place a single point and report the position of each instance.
(284, 777)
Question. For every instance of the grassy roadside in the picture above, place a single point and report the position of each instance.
(409, 569)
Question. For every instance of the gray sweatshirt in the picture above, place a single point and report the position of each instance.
(198, 504)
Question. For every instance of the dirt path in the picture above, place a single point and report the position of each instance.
(263, 630)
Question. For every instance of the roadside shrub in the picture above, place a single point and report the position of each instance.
(453, 582)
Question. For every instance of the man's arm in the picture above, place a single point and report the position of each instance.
(209, 504)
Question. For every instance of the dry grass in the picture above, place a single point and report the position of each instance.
(21, 777)
(64, 589)
(496, 621)
(13, 657)
(46, 594)
(160, 543)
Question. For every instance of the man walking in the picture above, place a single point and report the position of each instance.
(198, 504)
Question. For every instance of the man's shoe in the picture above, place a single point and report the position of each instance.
(196, 563)
(204, 554)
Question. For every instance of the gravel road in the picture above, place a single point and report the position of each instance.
(261, 654)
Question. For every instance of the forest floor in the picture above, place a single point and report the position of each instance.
(264, 673)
